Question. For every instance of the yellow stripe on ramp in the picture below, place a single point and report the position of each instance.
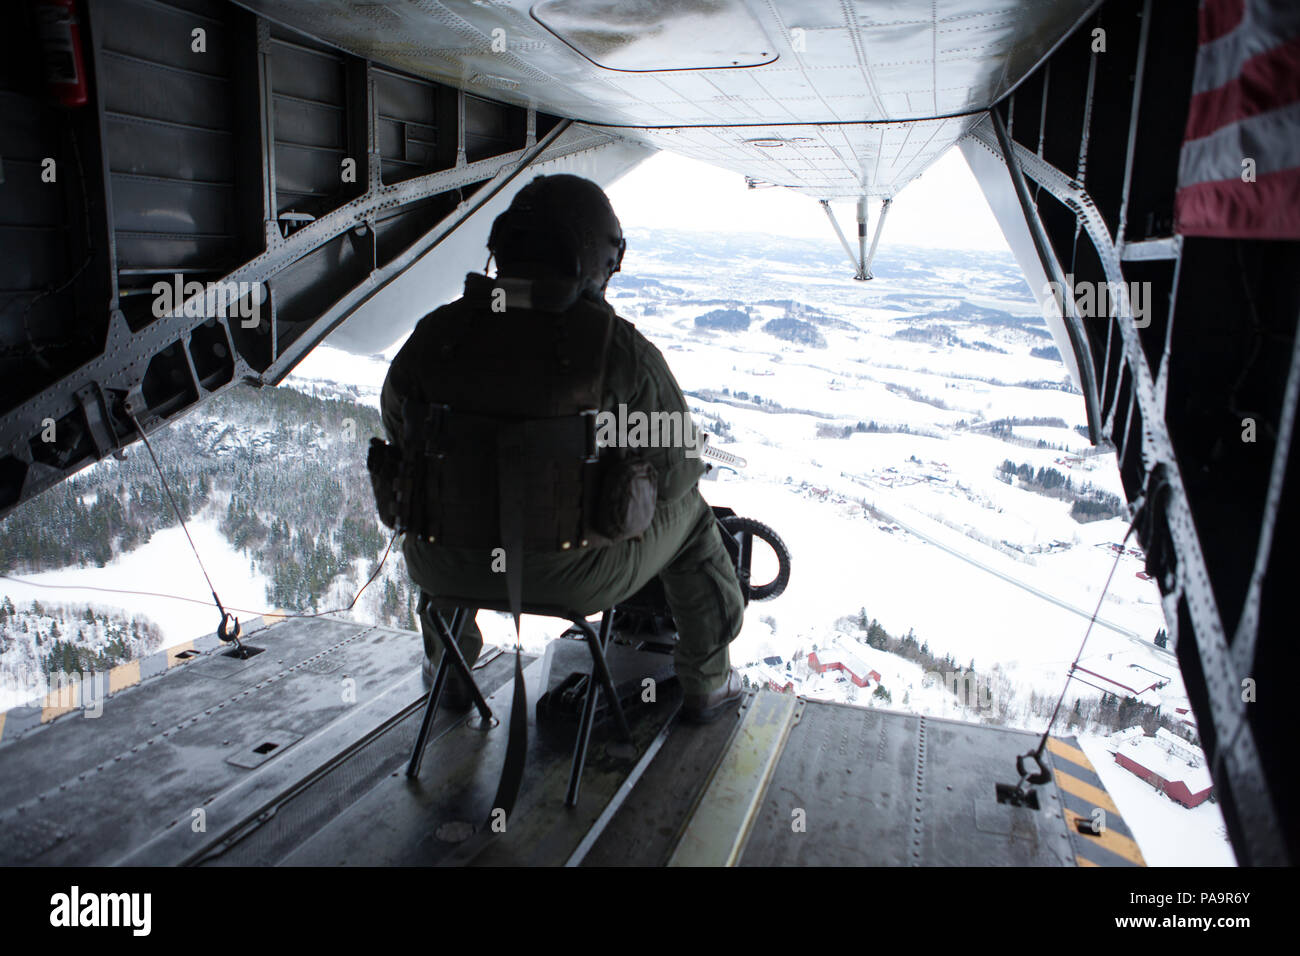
(173, 654)
(60, 700)
(1107, 839)
(1073, 754)
(125, 675)
(1086, 791)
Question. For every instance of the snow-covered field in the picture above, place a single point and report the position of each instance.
(995, 604)
(166, 567)
(163, 566)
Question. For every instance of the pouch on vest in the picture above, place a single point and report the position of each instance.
(383, 462)
(629, 490)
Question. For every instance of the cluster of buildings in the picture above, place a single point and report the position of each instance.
(842, 660)
(1169, 763)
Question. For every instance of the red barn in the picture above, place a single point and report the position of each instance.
(1172, 766)
(777, 680)
(838, 658)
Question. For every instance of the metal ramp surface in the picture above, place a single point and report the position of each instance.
(810, 783)
(179, 764)
(295, 756)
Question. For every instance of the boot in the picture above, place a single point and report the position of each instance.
(705, 708)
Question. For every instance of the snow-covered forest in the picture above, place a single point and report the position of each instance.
(42, 638)
(280, 473)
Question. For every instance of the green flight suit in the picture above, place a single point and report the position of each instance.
(683, 544)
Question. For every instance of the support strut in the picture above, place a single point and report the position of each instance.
(862, 261)
(875, 240)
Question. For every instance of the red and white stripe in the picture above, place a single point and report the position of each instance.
(1245, 105)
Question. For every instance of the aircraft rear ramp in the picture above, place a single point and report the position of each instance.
(295, 755)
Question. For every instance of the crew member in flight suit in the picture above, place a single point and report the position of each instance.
(561, 233)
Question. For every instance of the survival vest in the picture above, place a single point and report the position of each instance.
(500, 442)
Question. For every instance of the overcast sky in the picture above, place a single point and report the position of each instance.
(943, 208)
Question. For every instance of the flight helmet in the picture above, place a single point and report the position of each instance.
(559, 226)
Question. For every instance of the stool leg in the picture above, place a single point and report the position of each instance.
(451, 650)
(426, 722)
(601, 668)
(452, 658)
(580, 745)
(584, 723)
